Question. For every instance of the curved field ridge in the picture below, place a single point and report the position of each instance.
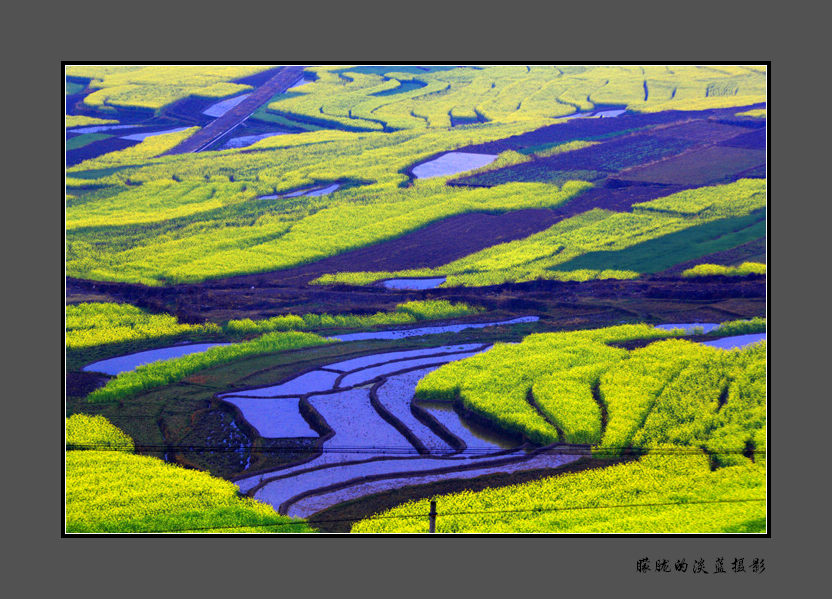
(395, 395)
(473, 440)
(452, 328)
(309, 504)
(278, 492)
(366, 361)
(348, 412)
(365, 376)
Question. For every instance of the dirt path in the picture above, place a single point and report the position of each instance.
(234, 117)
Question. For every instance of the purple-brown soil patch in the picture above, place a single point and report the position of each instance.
(306, 506)
(273, 418)
(704, 131)
(578, 128)
(706, 166)
(753, 140)
(590, 163)
(433, 245)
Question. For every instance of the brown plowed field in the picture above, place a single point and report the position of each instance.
(707, 166)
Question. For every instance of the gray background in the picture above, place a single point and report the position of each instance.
(516, 32)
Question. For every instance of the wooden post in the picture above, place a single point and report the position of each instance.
(432, 516)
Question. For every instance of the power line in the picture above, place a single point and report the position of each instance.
(465, 513)
(405, 450)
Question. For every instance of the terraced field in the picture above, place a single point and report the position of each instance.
(334, 293)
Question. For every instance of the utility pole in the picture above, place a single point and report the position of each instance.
(432, 516)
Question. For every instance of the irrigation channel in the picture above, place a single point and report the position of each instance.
(373, 435)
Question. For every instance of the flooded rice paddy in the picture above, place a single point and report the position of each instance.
(452, 163)
(378, 441)
(276, 418)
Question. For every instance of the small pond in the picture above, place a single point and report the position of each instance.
(307, 191)
(223, 106)
(246, 140)
(413, 283)
(114, 366)
(98, 128)
(143, 136)
(451, 164)
(736, 341)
